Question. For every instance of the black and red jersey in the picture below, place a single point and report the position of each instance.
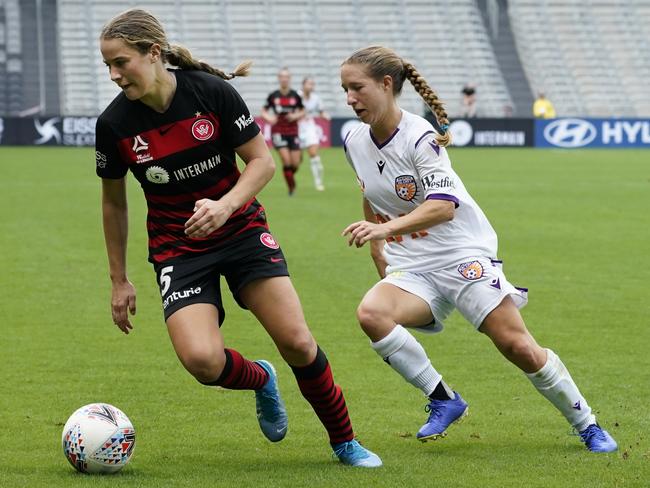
(181, 156)
(283, 105)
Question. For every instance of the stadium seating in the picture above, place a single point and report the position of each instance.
(310, 37)
(11, 69)
(586, 56)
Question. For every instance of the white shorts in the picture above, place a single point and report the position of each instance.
(309, 133)
(475, 287)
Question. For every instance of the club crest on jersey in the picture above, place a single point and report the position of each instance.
(406, 188)
(158, 175)
(202, 129)
(472, 270)
(268, 240)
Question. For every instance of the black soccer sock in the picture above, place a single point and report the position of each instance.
(288, 177)
(317, 385)
(440, 393)
(239, 373)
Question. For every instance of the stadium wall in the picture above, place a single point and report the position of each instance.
(567, 133)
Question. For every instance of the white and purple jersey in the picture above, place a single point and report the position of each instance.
(313, 105)
(398, 175)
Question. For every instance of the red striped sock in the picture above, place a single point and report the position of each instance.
(316, 384)
(288, 172)
(240, 374)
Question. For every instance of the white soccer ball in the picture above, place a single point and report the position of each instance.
(98, 438)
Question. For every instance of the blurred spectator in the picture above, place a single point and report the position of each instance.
(508, 110)
(543, 108)
(468, 105)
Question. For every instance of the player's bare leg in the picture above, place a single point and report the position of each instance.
(288, 169)
(383, 314)
(275, 303)
(316, 167)
(198, 342)
(505, 327)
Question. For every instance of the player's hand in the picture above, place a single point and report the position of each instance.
(123, 302)
(272, 119)
(363, 231)
(208, 216)
(292, 117)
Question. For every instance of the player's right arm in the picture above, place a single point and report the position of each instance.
(376, 247)
(116, 222)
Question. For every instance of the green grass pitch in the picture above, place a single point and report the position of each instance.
(573, 226)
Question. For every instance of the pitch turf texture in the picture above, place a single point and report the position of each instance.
(573, 226)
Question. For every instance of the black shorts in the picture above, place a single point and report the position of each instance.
(197, 279)
(290, 142)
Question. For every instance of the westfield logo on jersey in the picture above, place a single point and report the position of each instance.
(242, 121)
(140, 145)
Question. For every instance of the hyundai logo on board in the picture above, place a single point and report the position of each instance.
(570, 133)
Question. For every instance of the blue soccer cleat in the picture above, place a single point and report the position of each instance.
(442, 413)
(351, 453)
(598, 440)
(271, 414)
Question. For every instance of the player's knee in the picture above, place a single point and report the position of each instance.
(523, 352)
(298, 348)
(370, 317)
(204, 364)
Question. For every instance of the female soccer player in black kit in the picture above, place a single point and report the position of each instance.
(283, 109)
(178, 132)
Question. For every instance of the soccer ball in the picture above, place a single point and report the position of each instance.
(98, 438)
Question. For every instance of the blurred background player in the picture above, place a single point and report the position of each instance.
(282, 110)
(440, 249)
(543, 108)
(309, 131)
(468, 101)
(178, 132)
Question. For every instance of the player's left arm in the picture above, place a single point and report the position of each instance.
(437, 181)
(209, 215)
(428, 214)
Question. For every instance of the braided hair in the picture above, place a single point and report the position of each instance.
(381, 61)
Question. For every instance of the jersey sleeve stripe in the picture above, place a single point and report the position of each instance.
(444, 196)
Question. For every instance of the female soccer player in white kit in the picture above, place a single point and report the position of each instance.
(308, 130)
(440, 250)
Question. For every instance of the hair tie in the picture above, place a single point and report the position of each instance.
(444, 127)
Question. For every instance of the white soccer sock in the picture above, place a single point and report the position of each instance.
(316, 170)
(406, 356)
(555, 383)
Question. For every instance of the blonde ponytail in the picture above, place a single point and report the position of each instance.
(433, 102)
(380, 61)
(181, 57)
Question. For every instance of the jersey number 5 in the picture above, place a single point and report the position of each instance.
(165, 279)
